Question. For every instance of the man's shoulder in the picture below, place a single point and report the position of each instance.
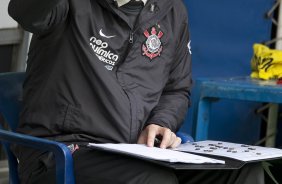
(178, 3)
(180, 6)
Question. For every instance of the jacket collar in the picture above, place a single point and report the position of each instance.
(160, 8)
(123, 2)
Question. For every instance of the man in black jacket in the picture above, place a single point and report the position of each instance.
(104, 71)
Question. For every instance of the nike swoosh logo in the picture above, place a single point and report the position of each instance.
(105, 36)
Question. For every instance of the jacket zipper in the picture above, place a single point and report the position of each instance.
(131, 37)
(131, 41)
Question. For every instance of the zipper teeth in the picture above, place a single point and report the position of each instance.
(133, 31)
(131, 37)
(140, 24)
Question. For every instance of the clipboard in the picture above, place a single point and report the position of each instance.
(230, 163)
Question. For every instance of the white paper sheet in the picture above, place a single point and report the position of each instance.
(232, 150)
(156, 153)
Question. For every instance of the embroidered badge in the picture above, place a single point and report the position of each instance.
(153, 45)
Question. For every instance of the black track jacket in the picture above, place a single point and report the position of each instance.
(93, 77)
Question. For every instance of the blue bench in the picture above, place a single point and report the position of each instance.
(237, 88)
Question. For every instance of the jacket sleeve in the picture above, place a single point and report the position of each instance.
(175, 99)
(37, 16)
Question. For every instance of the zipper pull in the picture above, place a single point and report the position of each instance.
(131, 37)
(152, 8)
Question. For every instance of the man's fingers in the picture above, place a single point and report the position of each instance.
(152, 131)
(176, 143)
(142, 138)
(151, 136)
(172, 139)
(166, 138)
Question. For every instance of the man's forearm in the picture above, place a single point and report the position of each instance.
(33, 13)
(171, 111)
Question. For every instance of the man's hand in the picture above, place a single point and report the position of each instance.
(148, 135)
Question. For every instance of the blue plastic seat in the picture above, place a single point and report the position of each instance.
(10, 105)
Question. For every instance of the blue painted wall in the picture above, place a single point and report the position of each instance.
(222, 34)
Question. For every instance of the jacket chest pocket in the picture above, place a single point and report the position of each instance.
(152, 46)
(150, 58)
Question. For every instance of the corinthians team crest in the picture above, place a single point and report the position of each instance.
(153, 45)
